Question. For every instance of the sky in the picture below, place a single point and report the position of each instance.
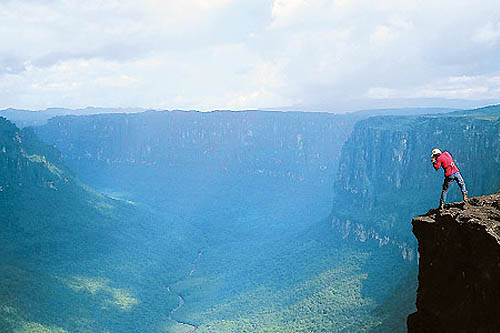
(323, 55)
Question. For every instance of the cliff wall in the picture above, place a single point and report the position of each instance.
(26, 161)
(459, 268)
(290, 145)
(384, 169)
(385, 177)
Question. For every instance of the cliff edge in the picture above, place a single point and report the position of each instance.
(459, 268)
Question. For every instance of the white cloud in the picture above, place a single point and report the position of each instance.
(264, 89)
(244, 53)
(185, 13)
(455, 87)
(463, 87)
(383, 34)
(381, 93)
(488, 34)
(287, 11)
(393, 30)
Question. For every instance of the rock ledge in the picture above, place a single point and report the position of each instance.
(459, 268)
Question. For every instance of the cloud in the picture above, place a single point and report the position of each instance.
(46, 33)
(11, 65)
(285, 12)
(264, 84)
(456, 87)
(488, 34)
(390, 32)
(183, 12)
(241, 54)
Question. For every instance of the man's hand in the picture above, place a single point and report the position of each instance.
(433, 159)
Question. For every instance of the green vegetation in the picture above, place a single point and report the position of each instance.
(245, 253)
(72, 259)
(330, 301)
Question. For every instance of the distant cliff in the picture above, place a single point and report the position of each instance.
(290, 145)
(459, 268)
(24, 118)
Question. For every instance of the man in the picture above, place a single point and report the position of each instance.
(451, 173)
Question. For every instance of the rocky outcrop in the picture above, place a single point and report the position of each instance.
(459, 268)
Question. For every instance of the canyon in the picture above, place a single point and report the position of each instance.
(302, 219)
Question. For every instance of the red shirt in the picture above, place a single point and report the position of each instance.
(446, 161)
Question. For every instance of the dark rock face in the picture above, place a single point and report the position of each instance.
(459, 268)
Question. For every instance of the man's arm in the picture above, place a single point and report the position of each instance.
(436, 163)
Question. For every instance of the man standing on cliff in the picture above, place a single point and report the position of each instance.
(451, 173)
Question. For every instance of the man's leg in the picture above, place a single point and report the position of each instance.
(444, 192)
(461, 183)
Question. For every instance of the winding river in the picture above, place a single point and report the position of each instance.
(181, 300)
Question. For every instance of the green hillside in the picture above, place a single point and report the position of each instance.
(73, 258)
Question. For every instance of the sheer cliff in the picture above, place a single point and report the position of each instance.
(23, 163)
(384, 168)
(385, 176)
(291, 145)
(459, 268)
